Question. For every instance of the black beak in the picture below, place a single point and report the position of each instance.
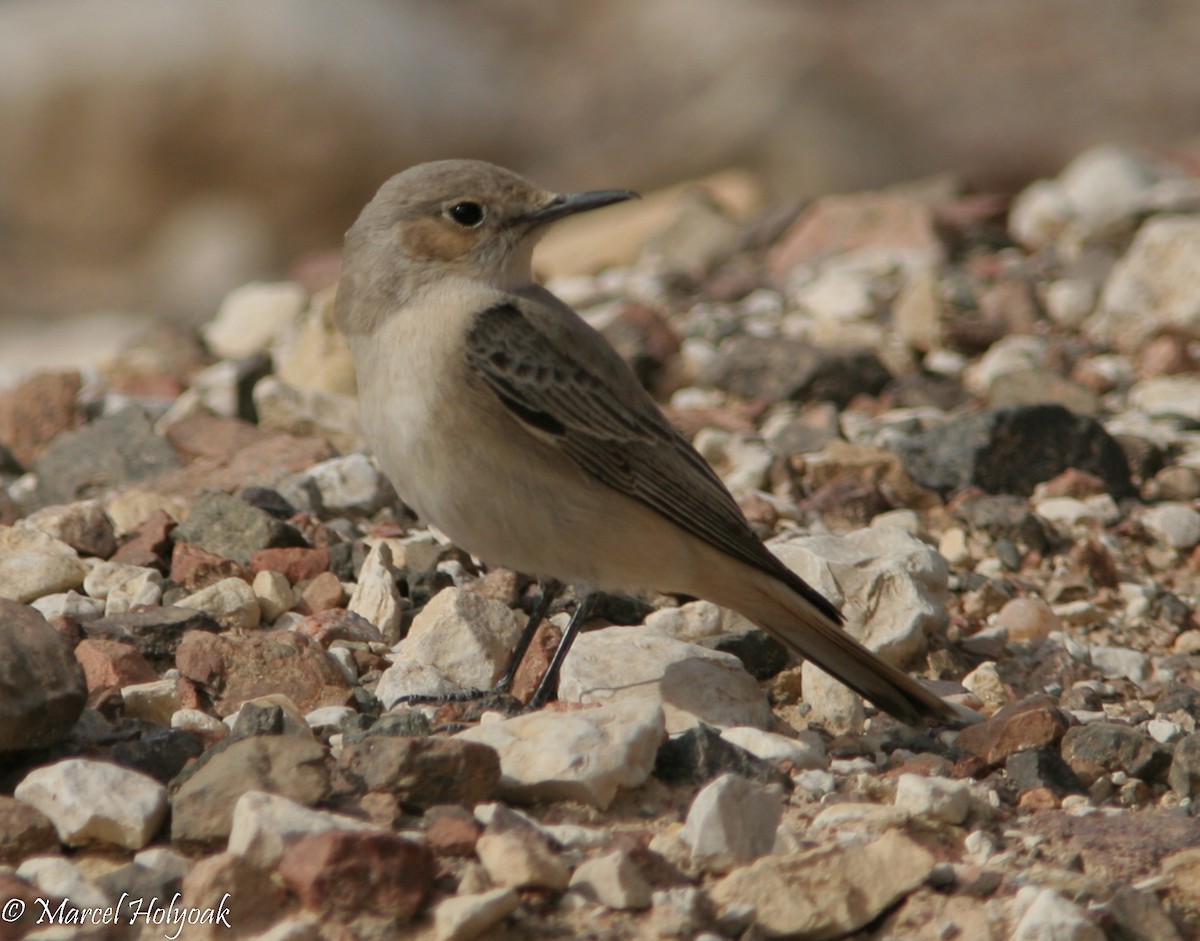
(571, 203)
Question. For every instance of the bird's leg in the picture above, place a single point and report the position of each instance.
(549, 591)
(549, 684)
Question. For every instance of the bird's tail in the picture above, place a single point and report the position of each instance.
(812, 629)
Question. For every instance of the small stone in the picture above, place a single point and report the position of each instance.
(939, 798)
(33, 564)
(265, 825)
(233, 529)
(805, 752)
(834, 706)
(202, 806)
(252, 317)
(376, 596)
(1027, 619)
(467, 640)
(305, 412)
(251, 898)
(829, 891)
(1023, 726)
(690, 683)
(24, 831)
(274, 594)
(323, 593)
(194, 568)
(612, 880)
(230, 602)
(149, 544)
(296, 563)
(1101, 748)
(346, 485)
(1133, 665)
(1139, 916)
(144, 590)
(44, 688)
(36, 410)
(155, 701)
(68, 604)
(985, 683)
(517, 856)
(112, 451)
(732, 822)
(96, 802)
(466, 917)
(540, 753)
(451, 830)
(1184, 776)
(1175, 524)
(423, 771)
(84, 526)
(701, 754)
(156, 633)
(1042, 769)
(1047, 916)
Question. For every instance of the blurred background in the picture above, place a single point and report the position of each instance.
(154, 155)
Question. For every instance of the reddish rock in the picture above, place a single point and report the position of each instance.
(24, 831)
(36, 410)
(213, 436)
(451, 830)
(533, 667)
(345, 874)
(195, 568)
(338, 624)
(1037, 800)
(1032, 723)
(250, 898)
(265, 463)
(110, 663)
(322, 594)
(835, 225)
(296, 564)
(234, 669)
(150, 544)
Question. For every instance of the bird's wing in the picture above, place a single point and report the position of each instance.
(562, 380)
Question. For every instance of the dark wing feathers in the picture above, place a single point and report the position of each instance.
(615, 435)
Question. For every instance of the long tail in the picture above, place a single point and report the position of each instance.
(803, 620)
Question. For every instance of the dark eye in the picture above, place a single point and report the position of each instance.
(466, 214)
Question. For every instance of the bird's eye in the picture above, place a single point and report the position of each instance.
(467, 214)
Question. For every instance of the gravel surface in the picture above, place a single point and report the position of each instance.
(973, 424)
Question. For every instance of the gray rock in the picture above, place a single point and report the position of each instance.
(203, 804)
(156, 633)
(96, 802)
(731, 822)
(43, 685)
(1184, 776)
(112, 451)
(84, 526)
(1047, 916)
(234, 529)
(692, 684)
(1013, 449)
(1175, 524)
(540, 752)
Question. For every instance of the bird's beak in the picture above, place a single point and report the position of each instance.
(570, 203)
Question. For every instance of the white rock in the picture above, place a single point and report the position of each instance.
(940, 798)
(59, 877)
(1040, 214)
(1070, 301)
(806, 751)
(252, 317)
(689, 622)
(1106, 187)
(274, 593)
(1121, 661)
(96, 802)
(140, 591)
(904, 519)
(953, 546)
(464, 636)
(891, 586)
(265, 825)
(580, 754)
(731, 822)
(350, 484)
(156, 701)
(69, 604)
(230, 602)
(517, 856)
(376, 596)
(328, 718)
(1163, 730)
(164, 861)
(198, 721)
(834, 706)
(826, 892)
(1175, 524)
(678, 913)
(612, 880)
(465, 917)
(1013, 354)
(1047, 916)
(83, 525)
(985, 682)
(741, 460)
(408, 678)
(692, 684)
(33, 564)
(1167, 397)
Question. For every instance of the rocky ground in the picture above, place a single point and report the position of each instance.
(974, 425)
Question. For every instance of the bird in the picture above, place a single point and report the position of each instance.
(506, 421)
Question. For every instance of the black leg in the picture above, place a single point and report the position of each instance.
(549, 684)
(550, 589)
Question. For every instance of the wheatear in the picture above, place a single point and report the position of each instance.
(506, 421)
